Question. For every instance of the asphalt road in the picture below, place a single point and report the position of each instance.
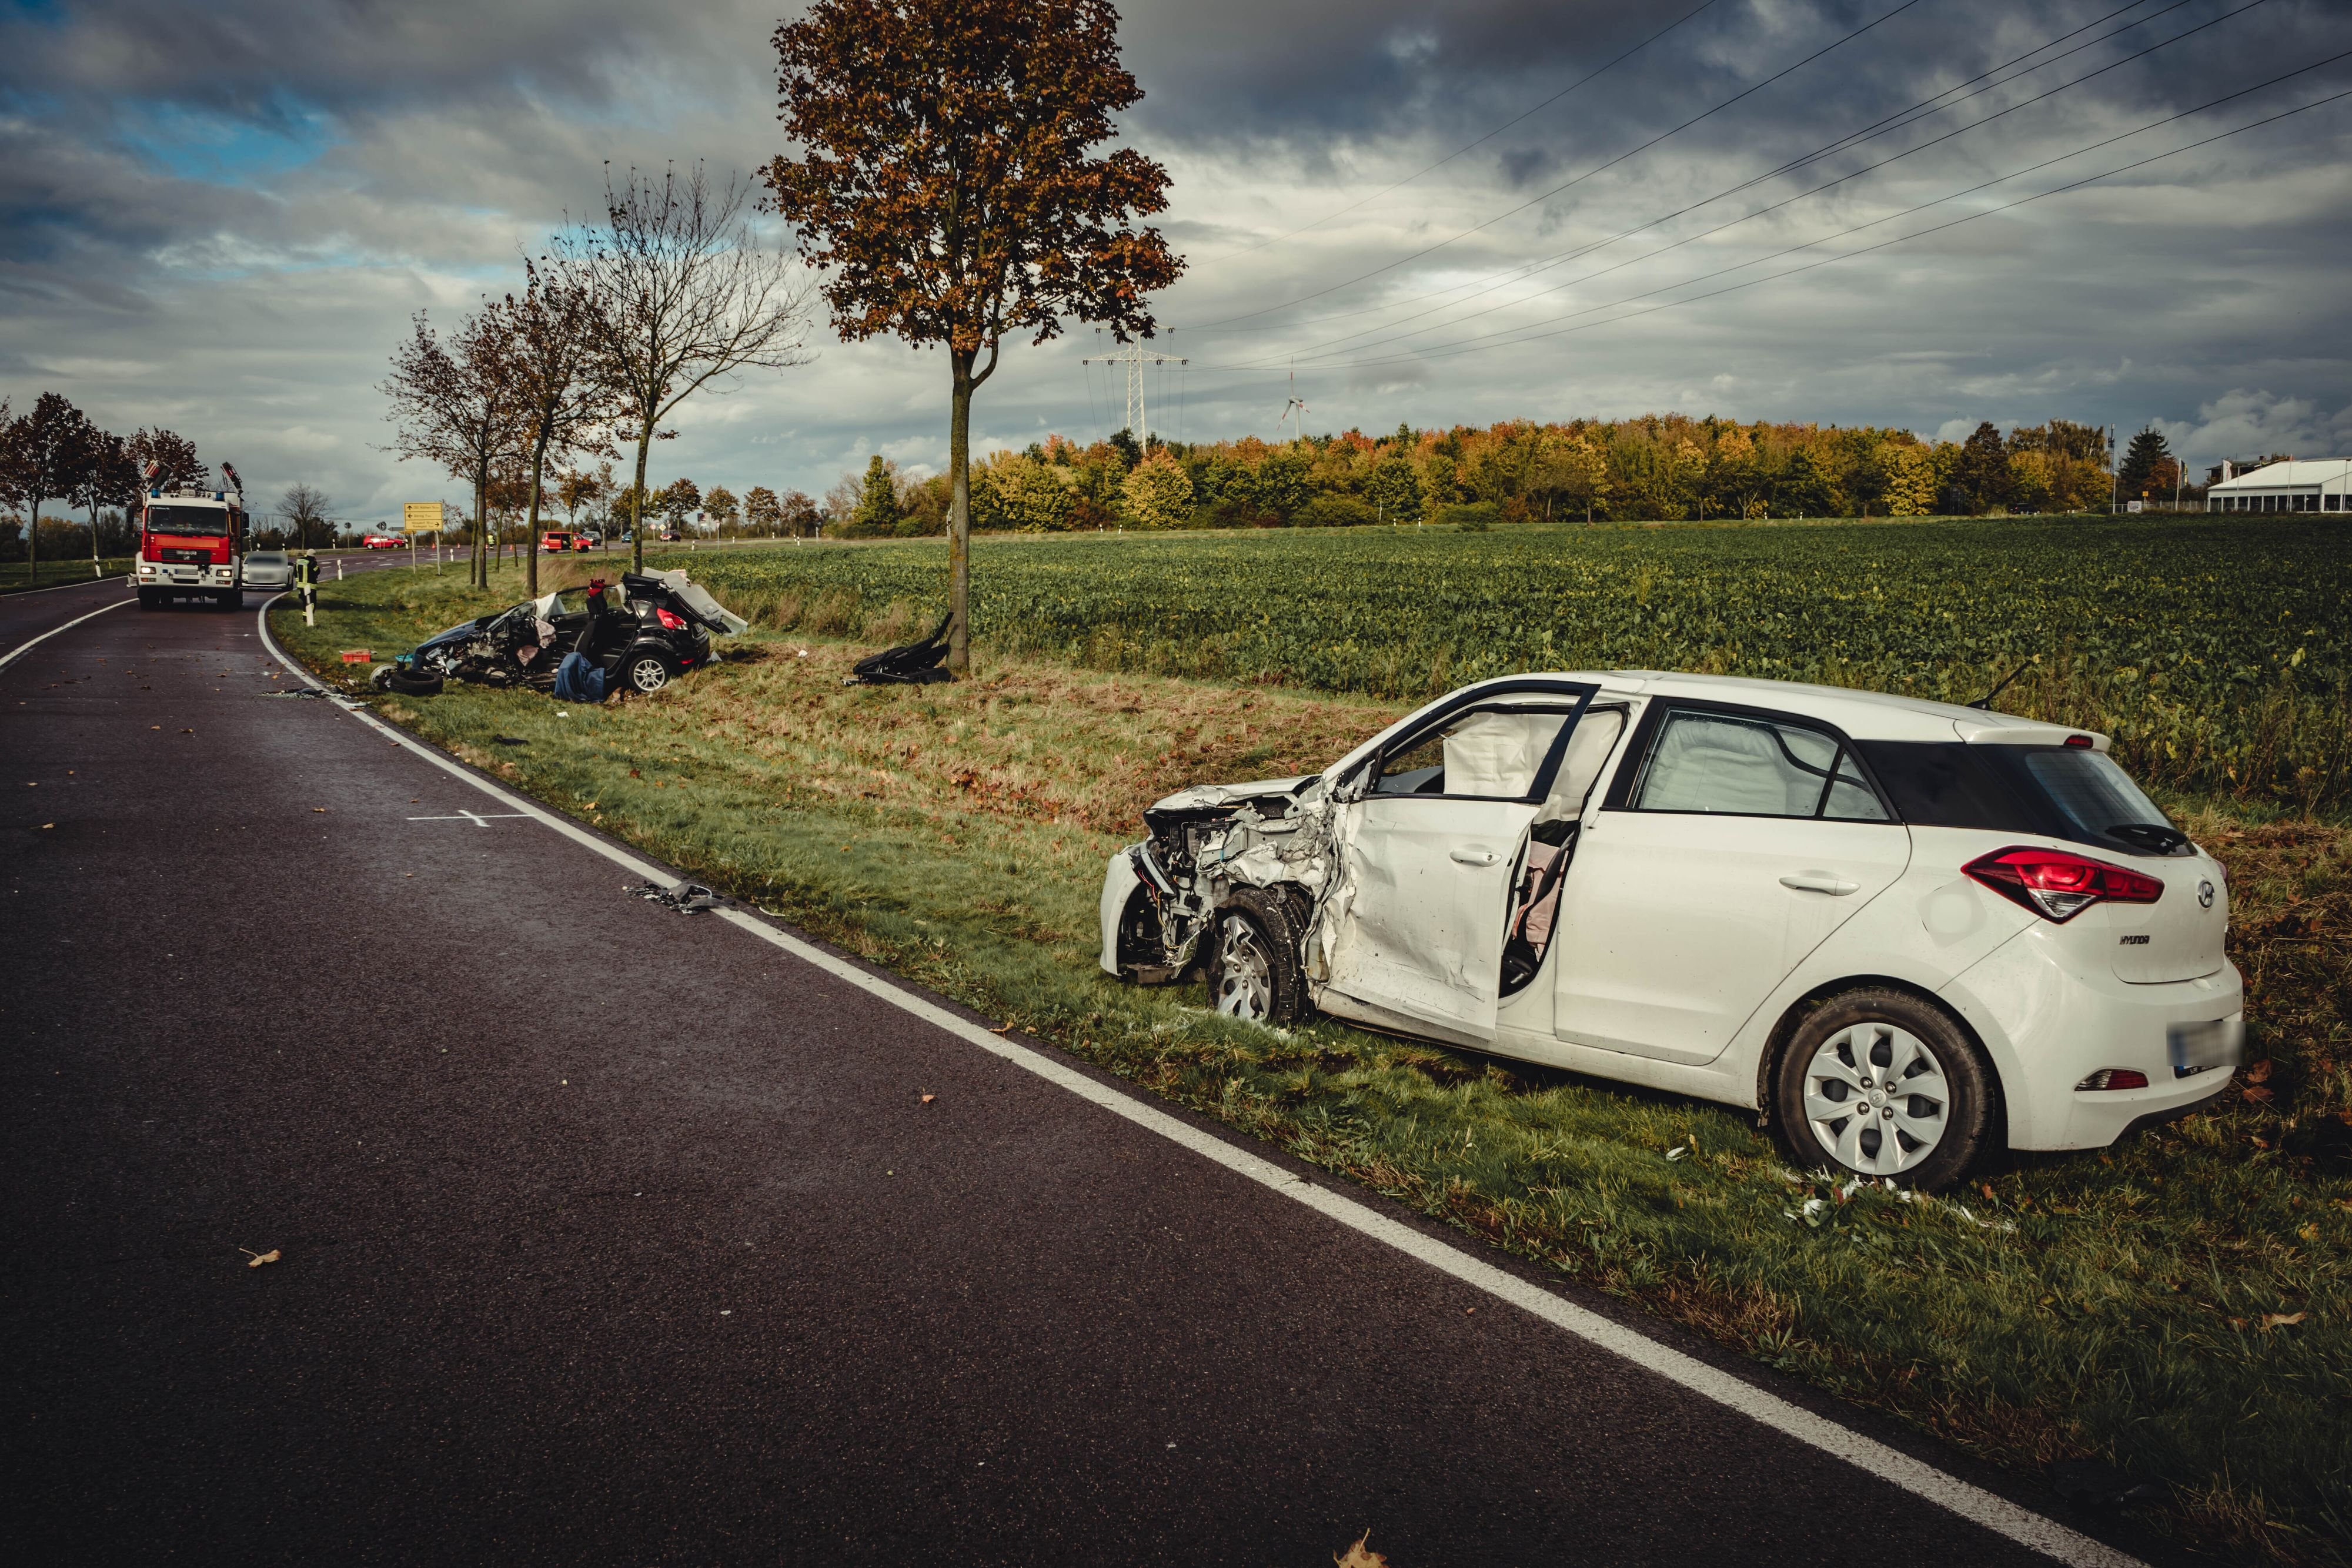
(609, 1235)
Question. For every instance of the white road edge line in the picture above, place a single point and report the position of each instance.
(1973, 1503)
(21, 648)
(123, 578)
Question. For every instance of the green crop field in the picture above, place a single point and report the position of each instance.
(2218, 652)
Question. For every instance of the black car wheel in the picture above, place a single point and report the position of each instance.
(646, 673)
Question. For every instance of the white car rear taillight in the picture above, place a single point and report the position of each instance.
(2059, 884)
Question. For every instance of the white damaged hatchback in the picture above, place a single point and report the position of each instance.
(1903, 932)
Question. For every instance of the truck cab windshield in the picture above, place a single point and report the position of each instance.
(187, 520)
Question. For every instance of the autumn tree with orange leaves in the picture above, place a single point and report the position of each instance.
(945, 185)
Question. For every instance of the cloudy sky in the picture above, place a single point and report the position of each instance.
(219, 216)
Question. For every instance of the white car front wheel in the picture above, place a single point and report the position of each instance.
(1253, 968)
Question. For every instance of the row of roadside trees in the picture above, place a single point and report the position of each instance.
(615, 325)
(53, 452)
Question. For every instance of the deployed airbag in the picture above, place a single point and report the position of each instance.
(1496, 754)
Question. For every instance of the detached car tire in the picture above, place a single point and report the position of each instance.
(1254, 969)
(1884, 1085)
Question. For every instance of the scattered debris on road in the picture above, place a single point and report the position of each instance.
(685, 897)
(256, 1259)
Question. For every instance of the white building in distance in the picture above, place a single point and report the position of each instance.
(2295, 486)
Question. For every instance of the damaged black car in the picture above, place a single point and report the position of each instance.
(659, 629)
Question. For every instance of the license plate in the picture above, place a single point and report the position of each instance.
(2196, 1046)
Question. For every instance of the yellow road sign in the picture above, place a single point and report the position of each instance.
(422, 517)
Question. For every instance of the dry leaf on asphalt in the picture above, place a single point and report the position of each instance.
(929, 1098)
(256, 1259)
(1361, 1555)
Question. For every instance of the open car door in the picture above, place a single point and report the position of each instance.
(1438, 828)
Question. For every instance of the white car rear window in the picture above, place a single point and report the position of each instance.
(1714, 762)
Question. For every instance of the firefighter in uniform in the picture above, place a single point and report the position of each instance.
(306, 583)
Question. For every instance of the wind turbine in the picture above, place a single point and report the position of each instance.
(1297, 428)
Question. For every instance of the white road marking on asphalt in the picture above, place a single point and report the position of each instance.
(85, 582)
(478, 819)
(21, 648)
(1924, 1480)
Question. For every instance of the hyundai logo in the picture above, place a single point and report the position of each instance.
(2204, 895)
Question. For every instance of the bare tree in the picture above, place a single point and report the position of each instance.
(304, 508)
(552, 343)
(456, 405)
(686, 295)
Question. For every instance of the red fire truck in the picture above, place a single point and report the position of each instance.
(192, 543)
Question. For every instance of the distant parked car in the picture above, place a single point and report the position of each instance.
(269, 569)
(383, 541)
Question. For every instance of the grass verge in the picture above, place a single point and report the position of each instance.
(2177, 1304)
(16, 577)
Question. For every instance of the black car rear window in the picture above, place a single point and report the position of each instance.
(1945, 784)
(2052, 791)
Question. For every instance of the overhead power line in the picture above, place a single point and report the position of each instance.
(1567, 185)
(1470, 346)
(1924, 108)
(1473, 146)
(1581, 251)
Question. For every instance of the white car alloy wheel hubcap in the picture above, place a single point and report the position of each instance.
(1245, 972)
(647, 675)
(1876, 1098)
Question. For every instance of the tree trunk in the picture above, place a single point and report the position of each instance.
(637, 501)
(481, 529)
(530, 533)
(960, 511)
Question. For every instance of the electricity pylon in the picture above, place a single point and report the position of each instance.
(1134, 358)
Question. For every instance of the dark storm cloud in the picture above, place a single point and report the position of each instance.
(221, 216)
